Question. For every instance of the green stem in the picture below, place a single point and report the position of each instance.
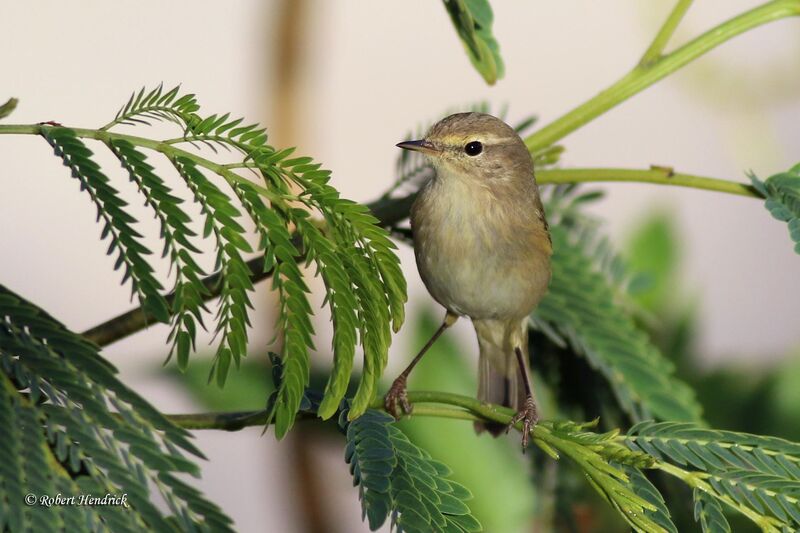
(389, 211)
(697, 480)
(663, 36)
(645, 75)
(107, 136)
(655, 175)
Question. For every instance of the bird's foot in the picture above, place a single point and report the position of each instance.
(397, 397)
(529, 417)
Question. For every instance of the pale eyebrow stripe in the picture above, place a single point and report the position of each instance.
(486, 139)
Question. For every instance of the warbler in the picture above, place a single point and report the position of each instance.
(483, 248)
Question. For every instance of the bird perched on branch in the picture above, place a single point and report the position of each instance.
(483, 250)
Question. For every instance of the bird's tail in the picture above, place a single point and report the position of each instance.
(499, 379)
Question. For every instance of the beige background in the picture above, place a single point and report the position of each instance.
(372, 71)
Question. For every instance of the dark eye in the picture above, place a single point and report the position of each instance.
(473, 148)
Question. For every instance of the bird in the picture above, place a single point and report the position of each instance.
(482, 246)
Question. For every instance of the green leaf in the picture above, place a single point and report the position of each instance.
(85, 421)
(582, 308)
(117, 223)
(189, 291)
(8, 108)
(782, 193)
(157, 105)
(396, 478)
(232, 313)
(759, 474)
(597, 456)
(708, 513)
(502, 506)
(473, 21)
(642, 487)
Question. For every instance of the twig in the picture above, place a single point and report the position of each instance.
(664, 34)
(643, 76)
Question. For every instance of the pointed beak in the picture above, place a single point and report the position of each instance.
(424, 146)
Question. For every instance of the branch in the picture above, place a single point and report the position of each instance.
(655, 175)
(665, 33)
(391, 211)
(698, 480)
(388, 211)
(460, 407)
(645, 75)
(136, 319)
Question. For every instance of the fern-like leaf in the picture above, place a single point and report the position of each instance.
(221, 221)
(171, 106)
(580, 306)
(188, 291)
(599, 458)
(75, 429)
(117, 223)
(365, 288)
(397, 479)
(8, 107)
(643, 488)
(582, 309)
(473, 21)
(708, 513)
(782, 192)
(744, 471)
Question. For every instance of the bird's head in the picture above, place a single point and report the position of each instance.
(475, 146)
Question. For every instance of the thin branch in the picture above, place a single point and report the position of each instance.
(642, 77)
(136, 319)
(664, 34)
(391, 211)
(388, 211)
(655, 175)
(451, 406)
(698, 480)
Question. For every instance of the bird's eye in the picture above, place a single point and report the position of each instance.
(473, 148)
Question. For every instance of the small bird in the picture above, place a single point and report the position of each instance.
(483, 248)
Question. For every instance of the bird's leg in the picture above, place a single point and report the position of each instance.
(528, 413)
(397, 392)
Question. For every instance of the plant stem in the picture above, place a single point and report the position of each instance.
(645, 75)
(663, 36)
(453, 406)
(388, 211)
(655, 175)
(107, 136)
(697, 480)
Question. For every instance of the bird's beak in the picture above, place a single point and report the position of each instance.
(424, 146)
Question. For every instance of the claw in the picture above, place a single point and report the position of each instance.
(397, 394)
(529, 417)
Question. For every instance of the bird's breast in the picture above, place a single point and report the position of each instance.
(482, 253)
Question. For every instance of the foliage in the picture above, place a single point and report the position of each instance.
(364, 284)
(601, 460)
(8, 107)
(398, 479)
(708, 513)
(75, 429)
(758, 476)
(782, 192)
(473, 22)
(582, 309)
(502, 488)
(61, 436)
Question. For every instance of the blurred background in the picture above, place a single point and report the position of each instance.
(344, 81)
